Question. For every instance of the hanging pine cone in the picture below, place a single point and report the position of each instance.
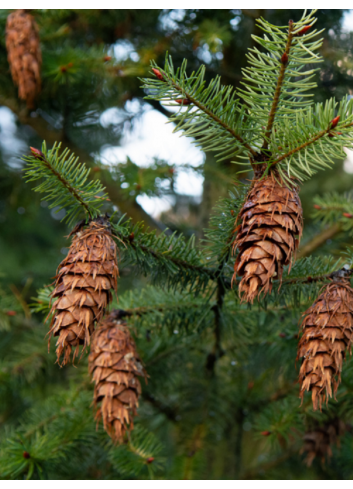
(114, 365)
(24, 54)
(82, 288)
(319, 441)
(327, 332)
(268, 236)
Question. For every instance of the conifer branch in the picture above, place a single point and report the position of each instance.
(170, 259)
(213, 116)
(39, 155)
(275, 102)
(335, 209)
(309, 279)
(64, 182)
(301, 147)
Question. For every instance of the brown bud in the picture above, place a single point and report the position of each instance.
(334, 122)
(304, 30)
(250, 385)
(70, 65)
(63, 69)
(346, 214)
(284, 59)
(232, 212)
(138, 187)
(26, 455)
(158, 74)
(37, 153)
(183, 101)
(317, 206)
(149, 460)
(11, 313)
(131, 237)
(282, 335)
(171, 170)
(265, 433)
(107, 58)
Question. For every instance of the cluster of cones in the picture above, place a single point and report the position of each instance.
(24, 54)
(267, 238)
(82, 293)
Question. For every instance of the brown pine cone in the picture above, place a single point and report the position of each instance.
(318, 442)
(327, 333)
(24, 54)
(114, 365)
(268, 236)
(82, 288)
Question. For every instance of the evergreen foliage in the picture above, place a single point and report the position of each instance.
(65, 182)
(275, 122)
(222, 394)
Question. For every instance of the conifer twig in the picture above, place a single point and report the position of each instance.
(64, 182)
(284, 64)
(310, 141)
(207, 111)
(38, 155)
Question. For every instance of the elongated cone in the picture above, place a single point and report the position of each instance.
(268, 236)
(318, 442)
(24, 54)
(82, 288)
(327, 333)
(115, 366)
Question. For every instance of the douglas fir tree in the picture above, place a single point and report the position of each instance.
(209, 304)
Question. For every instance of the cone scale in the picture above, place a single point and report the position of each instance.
(268, 235)
(115, 366)
(82, 289)
(327, 334)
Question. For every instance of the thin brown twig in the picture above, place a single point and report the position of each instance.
(319, 240)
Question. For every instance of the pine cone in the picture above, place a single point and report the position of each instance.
(82, 288)
(114, 365)
(327, 330)
(318, 442)
(267, 236)
(24, 54)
